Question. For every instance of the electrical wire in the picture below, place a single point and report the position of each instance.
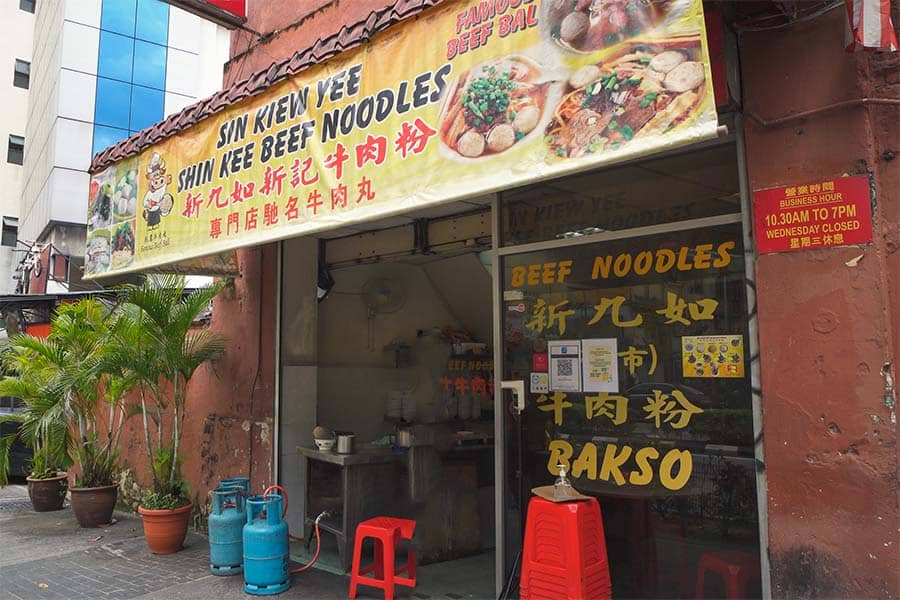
(815, 14)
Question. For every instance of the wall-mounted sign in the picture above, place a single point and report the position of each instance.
(227, 13)
(468, 98)
(833, 212)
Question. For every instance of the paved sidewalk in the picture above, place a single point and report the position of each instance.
(46, 555)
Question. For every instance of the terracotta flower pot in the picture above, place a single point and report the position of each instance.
(165, 530)
(94, 506)
(47, 494)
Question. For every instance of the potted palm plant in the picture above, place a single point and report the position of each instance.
(161, 349)
(42, 425)
(83, 398)
(79, 335)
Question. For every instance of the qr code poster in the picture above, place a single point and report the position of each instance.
(565, 366)
(712, 356)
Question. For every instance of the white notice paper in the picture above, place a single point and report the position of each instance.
(601, 365)
(565, 365)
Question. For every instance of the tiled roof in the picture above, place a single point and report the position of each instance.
(349, 36)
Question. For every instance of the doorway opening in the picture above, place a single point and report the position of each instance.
(402, 360)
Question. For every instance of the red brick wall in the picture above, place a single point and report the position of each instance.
(827, 328)
(230, 407)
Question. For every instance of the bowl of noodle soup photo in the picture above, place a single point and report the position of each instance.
(585, 26)
(643, 89)
(495, 106)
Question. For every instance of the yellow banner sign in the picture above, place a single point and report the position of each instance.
(471, 97)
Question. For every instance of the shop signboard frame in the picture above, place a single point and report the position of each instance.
(366, 135)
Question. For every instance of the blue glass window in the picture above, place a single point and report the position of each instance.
(152, 21)
(104, 137)
(149, 65)
(113, 102)
(116, 56)
(118, 16)
(146, 107)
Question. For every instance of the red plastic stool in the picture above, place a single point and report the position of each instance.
(564, 556)
(736, 568)
(387, 533)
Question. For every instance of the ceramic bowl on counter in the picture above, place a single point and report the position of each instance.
(325, 445)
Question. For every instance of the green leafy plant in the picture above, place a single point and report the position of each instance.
(73, 404)
(42, 424)
(157, 349)
(173, 498)
(42, 466)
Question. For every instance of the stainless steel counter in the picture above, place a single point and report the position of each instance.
(364, 456)
(368, 479)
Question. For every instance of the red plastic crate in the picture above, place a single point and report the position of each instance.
(564, 556)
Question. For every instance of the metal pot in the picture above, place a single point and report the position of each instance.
(405, 438)
(344, 443)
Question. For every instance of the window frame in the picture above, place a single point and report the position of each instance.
(21, 70)
(25, 4)
(15, 146)
(147, 14)
(7, 232)
(116, 114)
(99, 128)
(110, 13)
(140, 107)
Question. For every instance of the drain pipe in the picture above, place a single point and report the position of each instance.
(753, 344)
(784, 120)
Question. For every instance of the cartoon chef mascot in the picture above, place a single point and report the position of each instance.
(157, 203)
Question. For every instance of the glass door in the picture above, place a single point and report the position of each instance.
(634, 354)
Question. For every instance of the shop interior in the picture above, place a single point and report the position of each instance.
(393, 345)
(404, 364)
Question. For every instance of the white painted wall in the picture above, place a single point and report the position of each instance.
(16, 43)
(196, 59)
(40, 136)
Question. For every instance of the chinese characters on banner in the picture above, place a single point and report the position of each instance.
(468, 98)
(834, 212)
(584, 387)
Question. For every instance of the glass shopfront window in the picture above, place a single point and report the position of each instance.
(691, 185)
(647, 404)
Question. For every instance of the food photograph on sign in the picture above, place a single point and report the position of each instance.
(585, 26)
(494, 106)
(643, 89)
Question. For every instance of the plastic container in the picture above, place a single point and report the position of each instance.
(564, 551)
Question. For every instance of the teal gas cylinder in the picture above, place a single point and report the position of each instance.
(226, 524)
(266, 548)
(240, 482)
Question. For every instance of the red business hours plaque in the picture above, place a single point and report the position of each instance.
(835, 212)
